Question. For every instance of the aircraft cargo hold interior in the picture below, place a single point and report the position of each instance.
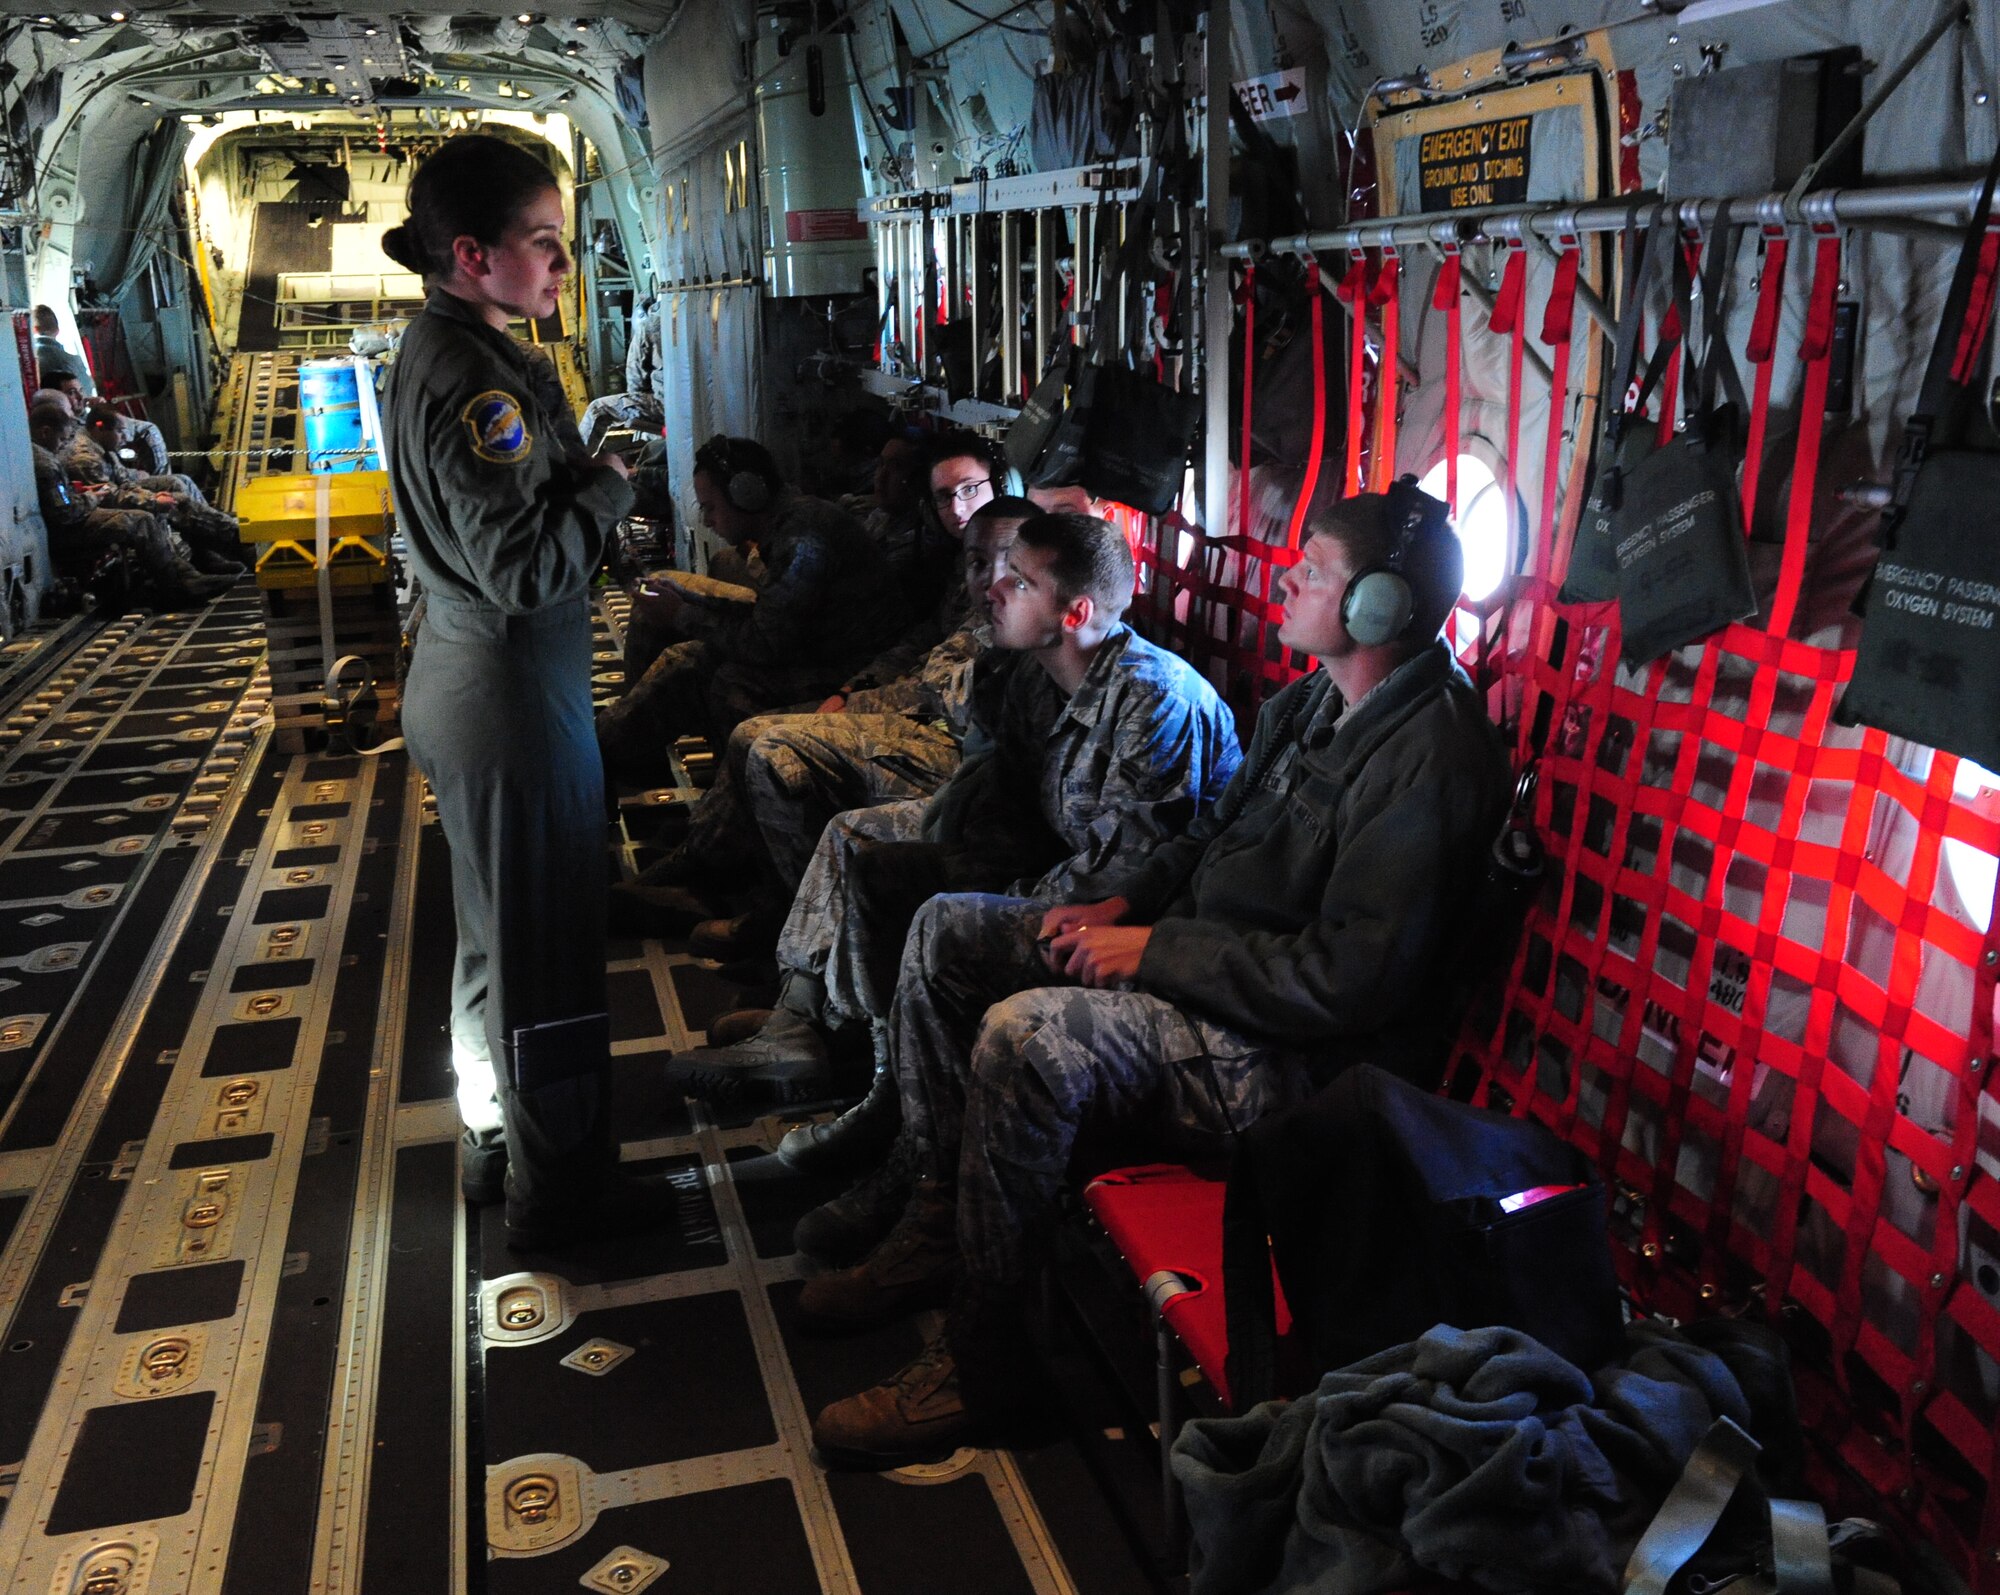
(1078, 797)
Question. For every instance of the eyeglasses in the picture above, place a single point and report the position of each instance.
(964, 493)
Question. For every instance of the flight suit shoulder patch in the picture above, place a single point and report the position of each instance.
(499, 430)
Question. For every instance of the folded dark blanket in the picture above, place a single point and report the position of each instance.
(1475, 1455)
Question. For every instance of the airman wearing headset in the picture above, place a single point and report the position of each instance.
(826, 606)
(1307, 923)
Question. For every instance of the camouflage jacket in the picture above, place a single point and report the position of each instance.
(1068, 796)
(941, 686)
(85, 460)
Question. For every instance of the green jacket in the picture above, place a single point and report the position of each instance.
(1313, 909)
(492, 511)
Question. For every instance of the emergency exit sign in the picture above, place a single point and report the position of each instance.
(1275, 94)
(1485, 163)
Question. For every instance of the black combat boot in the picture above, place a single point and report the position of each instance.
(482, 1165)
(740, 1024)
(664, 912)
(845, 1230)
(851, 1142)
(785, 1061)
(210, 563)
(728, 937)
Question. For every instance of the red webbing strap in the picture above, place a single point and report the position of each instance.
(1979, 310)
(1450, 277)
(1385, 294)
(1761, 353)
(1556, 328)
(1353, 291)
(1318, 449)
(1670, 381)
(1508, 320)
(1815, 350)
(1247, 296)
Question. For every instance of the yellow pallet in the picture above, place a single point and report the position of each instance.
(280, 515)
(283, 508)
(351, 562)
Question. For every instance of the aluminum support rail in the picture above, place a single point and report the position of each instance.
(1833, 207)
(1113, 181)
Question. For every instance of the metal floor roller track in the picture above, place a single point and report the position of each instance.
(250, 1337)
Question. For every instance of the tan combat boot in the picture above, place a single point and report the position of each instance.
(916, 1415)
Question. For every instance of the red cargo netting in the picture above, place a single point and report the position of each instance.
(1759, 987)
(1759, 990)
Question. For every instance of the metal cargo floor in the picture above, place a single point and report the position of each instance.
(251, 1339)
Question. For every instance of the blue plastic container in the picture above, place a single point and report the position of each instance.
(330, 409)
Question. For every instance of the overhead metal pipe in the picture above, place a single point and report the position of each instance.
(1833, 207)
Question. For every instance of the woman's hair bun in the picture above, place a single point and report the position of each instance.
(400, 245)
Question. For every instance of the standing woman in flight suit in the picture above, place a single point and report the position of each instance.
(504, 531)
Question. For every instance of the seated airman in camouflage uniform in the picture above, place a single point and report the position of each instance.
(1090, 746)
(211, 534)
(1302, 926)
(113, 431)
(897, 740)
(891, 731)
(79, 533)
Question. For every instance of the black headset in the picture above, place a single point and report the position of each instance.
(751, 488)
(1379, 604)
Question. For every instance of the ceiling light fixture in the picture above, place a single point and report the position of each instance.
(525, 18)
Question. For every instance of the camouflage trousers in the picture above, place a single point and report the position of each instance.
(827, 933)
(190, 514)
(800, 771)
(686, 692)
(150, 540)
(1000, 1071)
(784, 776)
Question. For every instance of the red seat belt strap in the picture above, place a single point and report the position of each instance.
(1451, 272)
(1761, 353)
(1814, 352)
(1556, 326)
(1354, 290)
(1318, 447)
(1248, 296)
(1386, 295)
(1507, 319)
(1979, 311)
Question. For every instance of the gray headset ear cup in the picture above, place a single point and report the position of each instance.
(749, 492)
(1377, 607)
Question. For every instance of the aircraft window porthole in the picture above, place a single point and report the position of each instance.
(1482, 523)
(1973, 869)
